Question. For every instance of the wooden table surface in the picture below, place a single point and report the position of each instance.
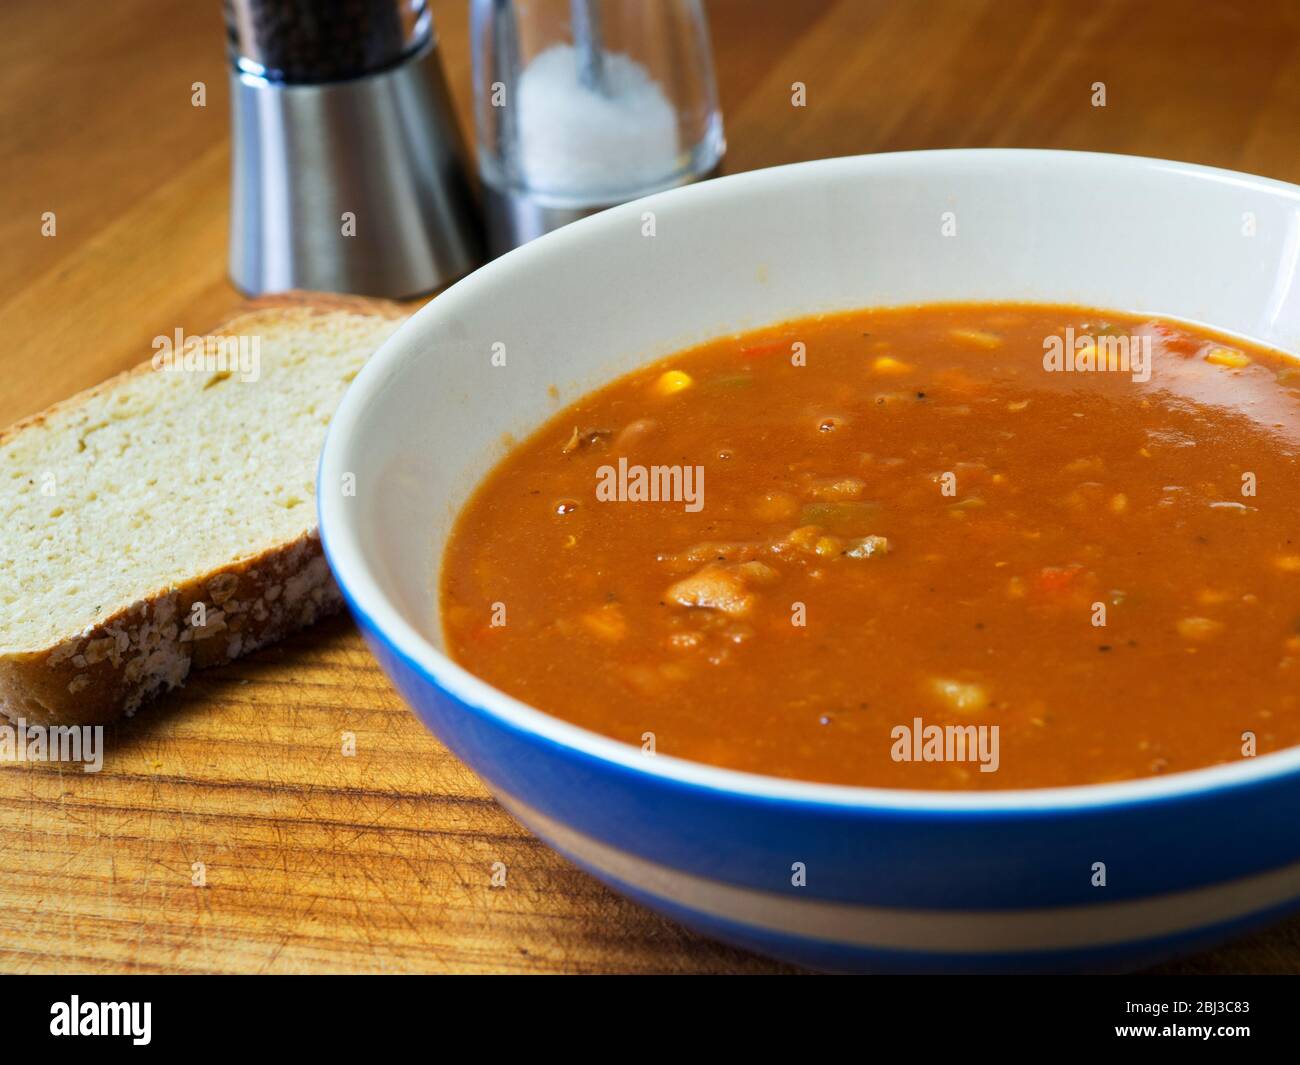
(382, 861)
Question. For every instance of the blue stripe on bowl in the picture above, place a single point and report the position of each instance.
(962, 859)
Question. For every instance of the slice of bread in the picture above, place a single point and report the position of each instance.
(166, 519)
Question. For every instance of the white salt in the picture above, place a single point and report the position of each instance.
(579, 142)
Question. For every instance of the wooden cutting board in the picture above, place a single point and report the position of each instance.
(228, 831)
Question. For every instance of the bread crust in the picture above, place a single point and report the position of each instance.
(111, 668)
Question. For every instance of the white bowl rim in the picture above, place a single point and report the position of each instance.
(338, 535)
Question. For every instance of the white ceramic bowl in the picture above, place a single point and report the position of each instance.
(896, 879)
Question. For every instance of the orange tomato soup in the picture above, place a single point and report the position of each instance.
(972, 546)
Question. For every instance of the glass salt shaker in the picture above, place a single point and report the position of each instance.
(583, 104)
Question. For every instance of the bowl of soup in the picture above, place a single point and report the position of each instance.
(887, 563)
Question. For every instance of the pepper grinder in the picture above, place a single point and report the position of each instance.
(583, 104)
(348, 171)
